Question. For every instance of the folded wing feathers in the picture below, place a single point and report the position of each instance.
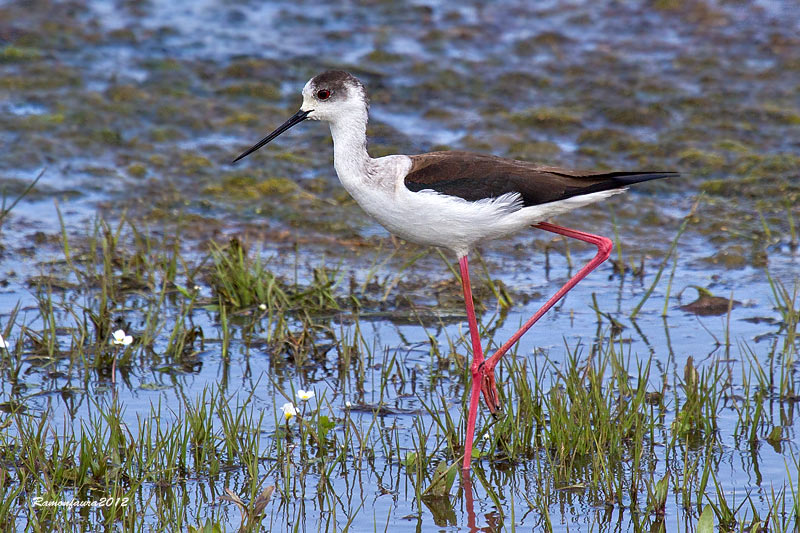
(480, 178)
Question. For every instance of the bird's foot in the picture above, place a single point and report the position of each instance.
(489, 389)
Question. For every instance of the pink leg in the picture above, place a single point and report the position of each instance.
(483, 376)
(604, 246)
(477, 361)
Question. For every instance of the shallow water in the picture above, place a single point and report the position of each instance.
(137, 108)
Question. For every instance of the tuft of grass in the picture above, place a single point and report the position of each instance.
(241, 280)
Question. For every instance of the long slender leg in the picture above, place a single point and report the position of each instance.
(483, 369)
(477, 361)
(604, 246)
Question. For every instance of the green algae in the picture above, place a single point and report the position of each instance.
(778, 113)
(546, 40)
(39, 76)
(438, 114)
(771, 166)
(252, 89)
(290, 156)
(242, 186)
(251, 68)
(125, 93)
(769, 187)
(382, 150)
(732, 145)
(730, 257)
(533, 150)
(477, 144)
(612, 139)
(383, 56)
(16, 54)
(701, 161)
(510, 82)
(137, 170)
(192, 162)
(42, 122)
(124, 36)
(165, 134)
(700, 13)
(244, 118)
(163, 64)
(555, 118)
(649, 115)
(107, 136)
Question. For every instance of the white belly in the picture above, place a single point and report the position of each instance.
(433, 219)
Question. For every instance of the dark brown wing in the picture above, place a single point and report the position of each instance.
(475, 177)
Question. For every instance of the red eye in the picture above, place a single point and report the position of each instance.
(323, 94)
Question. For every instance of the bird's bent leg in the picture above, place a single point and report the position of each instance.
(604, 246)
(477, 367)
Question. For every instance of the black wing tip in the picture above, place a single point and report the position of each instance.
(618, 180)
(628, 178)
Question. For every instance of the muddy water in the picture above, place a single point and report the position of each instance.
(139, 107)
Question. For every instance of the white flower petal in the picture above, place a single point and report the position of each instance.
(3, 343)
(305, 395)
(289, 410)
(119, 337)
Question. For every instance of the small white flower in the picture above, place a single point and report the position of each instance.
(485, 436)
(288, 410)
(263, 307)
(3, 343)
(348, 404)
(305, 395)
(121, 338)
(196, 287)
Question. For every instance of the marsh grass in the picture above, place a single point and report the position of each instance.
(601, 427)
(6, 207)
(241, 280)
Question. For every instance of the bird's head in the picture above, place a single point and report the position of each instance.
(331, 96)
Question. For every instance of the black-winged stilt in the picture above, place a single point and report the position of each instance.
(454, 200)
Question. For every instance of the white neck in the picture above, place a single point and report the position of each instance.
(350, 157)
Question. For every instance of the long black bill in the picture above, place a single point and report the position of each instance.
(297, 118)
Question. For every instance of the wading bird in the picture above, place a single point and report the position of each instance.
(454, 200)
